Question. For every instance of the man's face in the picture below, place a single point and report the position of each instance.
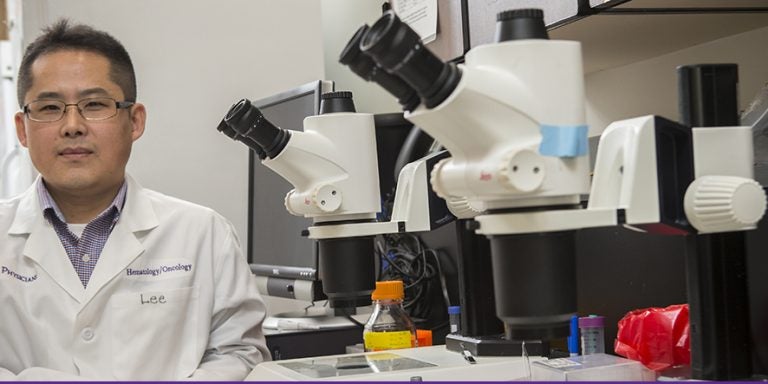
(75, 155)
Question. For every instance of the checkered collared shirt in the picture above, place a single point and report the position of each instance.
(83, 252)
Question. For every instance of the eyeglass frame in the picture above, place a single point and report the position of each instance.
(118, 106)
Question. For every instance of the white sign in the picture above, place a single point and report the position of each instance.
(421, 15)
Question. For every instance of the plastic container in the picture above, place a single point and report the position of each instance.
(596, 367)
(454, 319)
(592, 334)
(389, 326)
(424, 337)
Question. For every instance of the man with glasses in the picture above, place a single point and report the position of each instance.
(99, 277)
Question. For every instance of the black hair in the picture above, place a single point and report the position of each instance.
(62, 36)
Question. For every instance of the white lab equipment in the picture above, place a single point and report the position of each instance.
(433, 363)
(512, 117)
(16, 171)
(333, 167)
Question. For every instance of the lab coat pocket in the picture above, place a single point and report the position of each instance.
(154, 334)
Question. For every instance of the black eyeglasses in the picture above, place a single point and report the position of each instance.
(92, 109)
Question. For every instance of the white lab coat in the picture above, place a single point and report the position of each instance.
(171, 297)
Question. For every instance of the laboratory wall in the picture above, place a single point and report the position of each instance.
(193, 59)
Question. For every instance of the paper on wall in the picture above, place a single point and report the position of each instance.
(421, 15)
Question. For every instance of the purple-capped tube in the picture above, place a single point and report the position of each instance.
(592, 330)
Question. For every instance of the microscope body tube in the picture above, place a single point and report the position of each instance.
(333, 168)
(348, 270)
(511, 95)
(534, 279)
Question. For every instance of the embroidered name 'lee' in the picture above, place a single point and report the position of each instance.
(154, 299)
(27, 279)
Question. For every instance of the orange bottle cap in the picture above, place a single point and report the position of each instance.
(388, 290)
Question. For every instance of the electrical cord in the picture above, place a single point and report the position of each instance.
(352, 319)
(405, 257)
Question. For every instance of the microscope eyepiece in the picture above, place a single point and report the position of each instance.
(352, 57)
(364, 66)
(518, 24)
(334, 102)
(248, 121)
(232, 134)
(398, 49)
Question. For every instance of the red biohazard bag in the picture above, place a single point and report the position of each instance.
(657, 337)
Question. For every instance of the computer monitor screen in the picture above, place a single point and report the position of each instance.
(275, 236)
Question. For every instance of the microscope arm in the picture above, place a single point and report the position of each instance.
(655, 175)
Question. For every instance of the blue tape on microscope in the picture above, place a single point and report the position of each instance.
(563, 140)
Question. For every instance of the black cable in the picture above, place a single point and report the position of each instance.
(440, 274)
(352, 319)
(405, 257)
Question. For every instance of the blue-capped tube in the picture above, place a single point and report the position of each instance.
(573, 339)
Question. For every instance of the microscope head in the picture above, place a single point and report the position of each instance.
(514, 121)
(333, 167)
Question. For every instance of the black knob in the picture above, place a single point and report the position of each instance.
(335, 102)
(518, 24)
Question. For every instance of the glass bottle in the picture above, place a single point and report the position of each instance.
(389, 326)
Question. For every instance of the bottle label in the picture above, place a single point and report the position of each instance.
(379, 341)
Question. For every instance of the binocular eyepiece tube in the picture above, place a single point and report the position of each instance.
(398, 49)
(392, 55)
(224, 128)
(256, 131)
(364, 66)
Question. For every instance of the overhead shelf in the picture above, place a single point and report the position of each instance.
(620, 32)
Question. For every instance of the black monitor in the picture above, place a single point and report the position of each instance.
(276, 247)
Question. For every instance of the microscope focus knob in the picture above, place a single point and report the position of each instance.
(436, 181)
(327, 197)
(287, 203)
(522, 171)
(724, 203)
(463, 208)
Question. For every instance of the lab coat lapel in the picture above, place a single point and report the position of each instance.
(43, 245)
(123, 247)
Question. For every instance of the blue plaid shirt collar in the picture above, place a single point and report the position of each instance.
(84, 251)
(47, 203)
